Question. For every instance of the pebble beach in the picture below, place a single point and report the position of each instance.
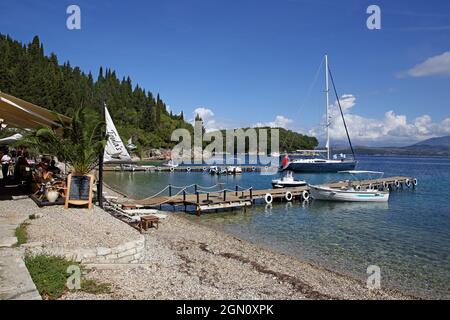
(185, 260)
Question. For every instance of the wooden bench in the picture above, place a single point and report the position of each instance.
(148, 222)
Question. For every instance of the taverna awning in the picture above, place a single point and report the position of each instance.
(18, 113)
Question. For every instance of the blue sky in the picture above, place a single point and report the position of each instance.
(248, 62)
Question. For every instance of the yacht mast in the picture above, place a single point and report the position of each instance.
(327, 116)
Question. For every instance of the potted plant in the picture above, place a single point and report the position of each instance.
(78, 143)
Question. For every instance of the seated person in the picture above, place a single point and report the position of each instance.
(53, 168)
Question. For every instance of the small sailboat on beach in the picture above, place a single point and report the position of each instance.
(115, 150)
(316, 163)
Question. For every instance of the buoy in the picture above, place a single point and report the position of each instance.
(305, 195)
(397, 184)
(415, 182)
(288, 196)
(188, 169)
(268, 198)
(358, 187)
(253, 168)
(408, 183)
(204, 169)
(172, 169)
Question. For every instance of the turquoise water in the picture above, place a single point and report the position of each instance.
(408, 237)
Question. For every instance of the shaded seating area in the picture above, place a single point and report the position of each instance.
(23, 174)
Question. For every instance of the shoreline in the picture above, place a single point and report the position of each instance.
(188, 260)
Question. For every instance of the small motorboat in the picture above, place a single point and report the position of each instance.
(171, 164)
(350, 192)
(230, 169)
(214, 170)
(234, 170)
(287, 181)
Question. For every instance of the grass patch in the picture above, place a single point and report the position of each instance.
(91, 286)
(21, 234)
(49, 274)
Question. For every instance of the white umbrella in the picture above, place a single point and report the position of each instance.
(11, 139)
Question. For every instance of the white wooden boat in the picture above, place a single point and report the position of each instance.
(348, 192)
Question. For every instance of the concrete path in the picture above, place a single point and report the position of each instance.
(15, 281)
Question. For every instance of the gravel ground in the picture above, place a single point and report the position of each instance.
(71, 228)
(190, 261)
(185, 260)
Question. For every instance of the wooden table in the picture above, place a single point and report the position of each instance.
(148, 222)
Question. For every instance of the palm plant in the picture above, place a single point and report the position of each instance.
(78, 143)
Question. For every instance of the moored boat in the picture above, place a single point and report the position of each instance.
(350, 192)
(287, 181)
(324, 164)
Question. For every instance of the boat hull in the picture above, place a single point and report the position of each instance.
(287, 185)
(321, 166)
(329, 194)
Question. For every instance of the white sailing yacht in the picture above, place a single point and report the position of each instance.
(321, 164)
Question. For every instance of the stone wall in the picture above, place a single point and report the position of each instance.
(129, 252)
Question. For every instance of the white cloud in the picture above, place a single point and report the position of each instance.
(279, 122)
(392, 129)
(207, 116)
(437, 65)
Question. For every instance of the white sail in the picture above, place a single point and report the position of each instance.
(115, 149)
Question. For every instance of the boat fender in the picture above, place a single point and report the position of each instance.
(385, 185)
(288, 196)
(268, 198)
(172, 169)
(415, 182)
(408, 183)
(204, 169)
(358, 187)
(188, 169)
(397, 184)
(253, 168)
(370, 187)
(305, 195)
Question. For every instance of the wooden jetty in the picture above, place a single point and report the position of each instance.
(224, 199)
(186, 168)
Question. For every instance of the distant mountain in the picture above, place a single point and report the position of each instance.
(431, 147)
(439, 141)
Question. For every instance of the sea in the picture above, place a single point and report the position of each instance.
(408, 238)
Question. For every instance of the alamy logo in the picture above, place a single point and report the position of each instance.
(374, 20)
(73, 21)
(374, 278)
(74, 280)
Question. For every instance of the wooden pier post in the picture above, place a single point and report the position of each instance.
(207, 196)
(224, 195)
(184, 195)
(251, 194)
(237, 189)
(198, 197)
(170, 190)
(195, 188)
